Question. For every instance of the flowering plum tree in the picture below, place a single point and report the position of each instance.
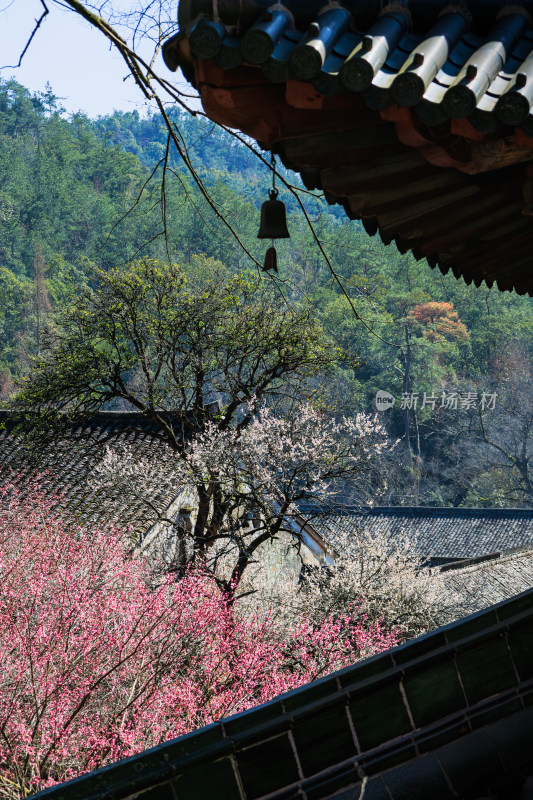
(98, 662)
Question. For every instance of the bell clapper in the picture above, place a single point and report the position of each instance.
(271, 260)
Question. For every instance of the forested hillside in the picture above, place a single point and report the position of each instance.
(77, 195)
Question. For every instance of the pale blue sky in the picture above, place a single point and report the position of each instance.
(69, 54)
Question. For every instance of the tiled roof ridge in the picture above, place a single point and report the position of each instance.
(421, 14)
(500, 556)
(112, 414)
(421, 511)
(138, 422)
(454, 511)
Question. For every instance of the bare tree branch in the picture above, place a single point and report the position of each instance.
(38, 23)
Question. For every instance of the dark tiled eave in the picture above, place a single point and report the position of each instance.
(447, 715)
(430, 146)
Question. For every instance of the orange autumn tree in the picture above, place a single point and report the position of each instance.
(440, 321)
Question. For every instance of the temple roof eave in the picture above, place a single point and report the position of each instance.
(406, 153)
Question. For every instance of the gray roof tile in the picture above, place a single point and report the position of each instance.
(66, 468)
(489, 581)
(439, 533)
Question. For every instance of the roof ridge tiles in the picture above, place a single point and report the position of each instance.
(500, 556)
(422, 511)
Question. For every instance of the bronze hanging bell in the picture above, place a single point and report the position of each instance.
(273, 218)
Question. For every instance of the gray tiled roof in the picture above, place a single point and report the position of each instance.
(489, 581)
(67, 466)
(440, 533)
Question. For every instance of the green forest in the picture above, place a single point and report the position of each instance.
(80, 195)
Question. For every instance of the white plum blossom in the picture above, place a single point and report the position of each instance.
(242, 482)
(376, 576)
(255, 478)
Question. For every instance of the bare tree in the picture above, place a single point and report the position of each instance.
(495, 445)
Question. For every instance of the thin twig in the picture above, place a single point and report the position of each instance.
(135, 204)
(34, 31)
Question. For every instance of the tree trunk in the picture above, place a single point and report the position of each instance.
(406, 383)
